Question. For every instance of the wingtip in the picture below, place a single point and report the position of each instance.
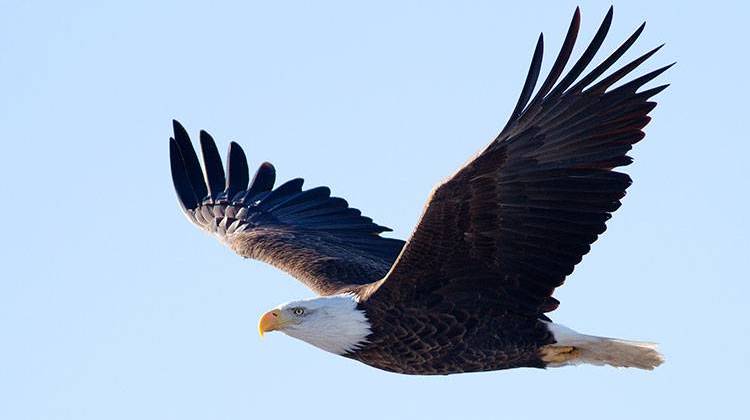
(213, 167)
(263, 179)
(237, 170)
(177, 127)
(649, 53)
(237, 154)
(267, 166)
(382, 228)
(610, 13)
(539, 48)
(236, 149)
(206, 140)
(658, 71)
(662, 69)
(531, 78)
(576, 20)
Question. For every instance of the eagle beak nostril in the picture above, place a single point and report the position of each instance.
(270, 321)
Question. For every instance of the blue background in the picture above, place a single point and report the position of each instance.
(112, 306)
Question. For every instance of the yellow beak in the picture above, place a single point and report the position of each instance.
(271, 321)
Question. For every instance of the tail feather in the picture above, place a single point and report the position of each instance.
(572, 348)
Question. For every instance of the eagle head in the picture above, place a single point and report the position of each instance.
(332, 323)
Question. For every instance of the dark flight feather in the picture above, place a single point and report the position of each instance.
(237, 171)
(191, 166)
(317, 238)
(212, 165)
(523, 213)
(182, 185)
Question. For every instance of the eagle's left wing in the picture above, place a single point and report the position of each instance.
(511, 224)
(317, 238)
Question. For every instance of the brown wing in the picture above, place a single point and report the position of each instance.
(317, 238)
(510, 225)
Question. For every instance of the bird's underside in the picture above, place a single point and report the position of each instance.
(470, 289)
(461, 340)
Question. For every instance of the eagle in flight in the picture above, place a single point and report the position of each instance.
(470, 289)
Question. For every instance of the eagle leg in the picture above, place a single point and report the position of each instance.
(556, 355)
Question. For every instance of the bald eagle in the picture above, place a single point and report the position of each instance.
(470, 289)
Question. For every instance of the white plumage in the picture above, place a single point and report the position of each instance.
(581, 348)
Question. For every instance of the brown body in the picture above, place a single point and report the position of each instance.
(441, 341)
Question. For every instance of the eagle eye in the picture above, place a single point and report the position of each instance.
(298, 311)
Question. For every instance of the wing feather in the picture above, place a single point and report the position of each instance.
(212, 164)
(238, 174)
(511, 224)
(315, 237)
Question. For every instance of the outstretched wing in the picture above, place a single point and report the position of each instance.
(511, 224)
(317, 238)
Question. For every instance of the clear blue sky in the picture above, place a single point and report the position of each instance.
(112, 306)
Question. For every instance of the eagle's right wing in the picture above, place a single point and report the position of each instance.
(317, 238)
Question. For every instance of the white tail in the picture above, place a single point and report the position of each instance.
(573, 348)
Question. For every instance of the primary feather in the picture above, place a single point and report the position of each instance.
(318, 238)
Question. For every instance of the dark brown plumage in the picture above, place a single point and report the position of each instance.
(317, 238)
(471, 287)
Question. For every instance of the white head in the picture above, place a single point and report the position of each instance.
(332, 323)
